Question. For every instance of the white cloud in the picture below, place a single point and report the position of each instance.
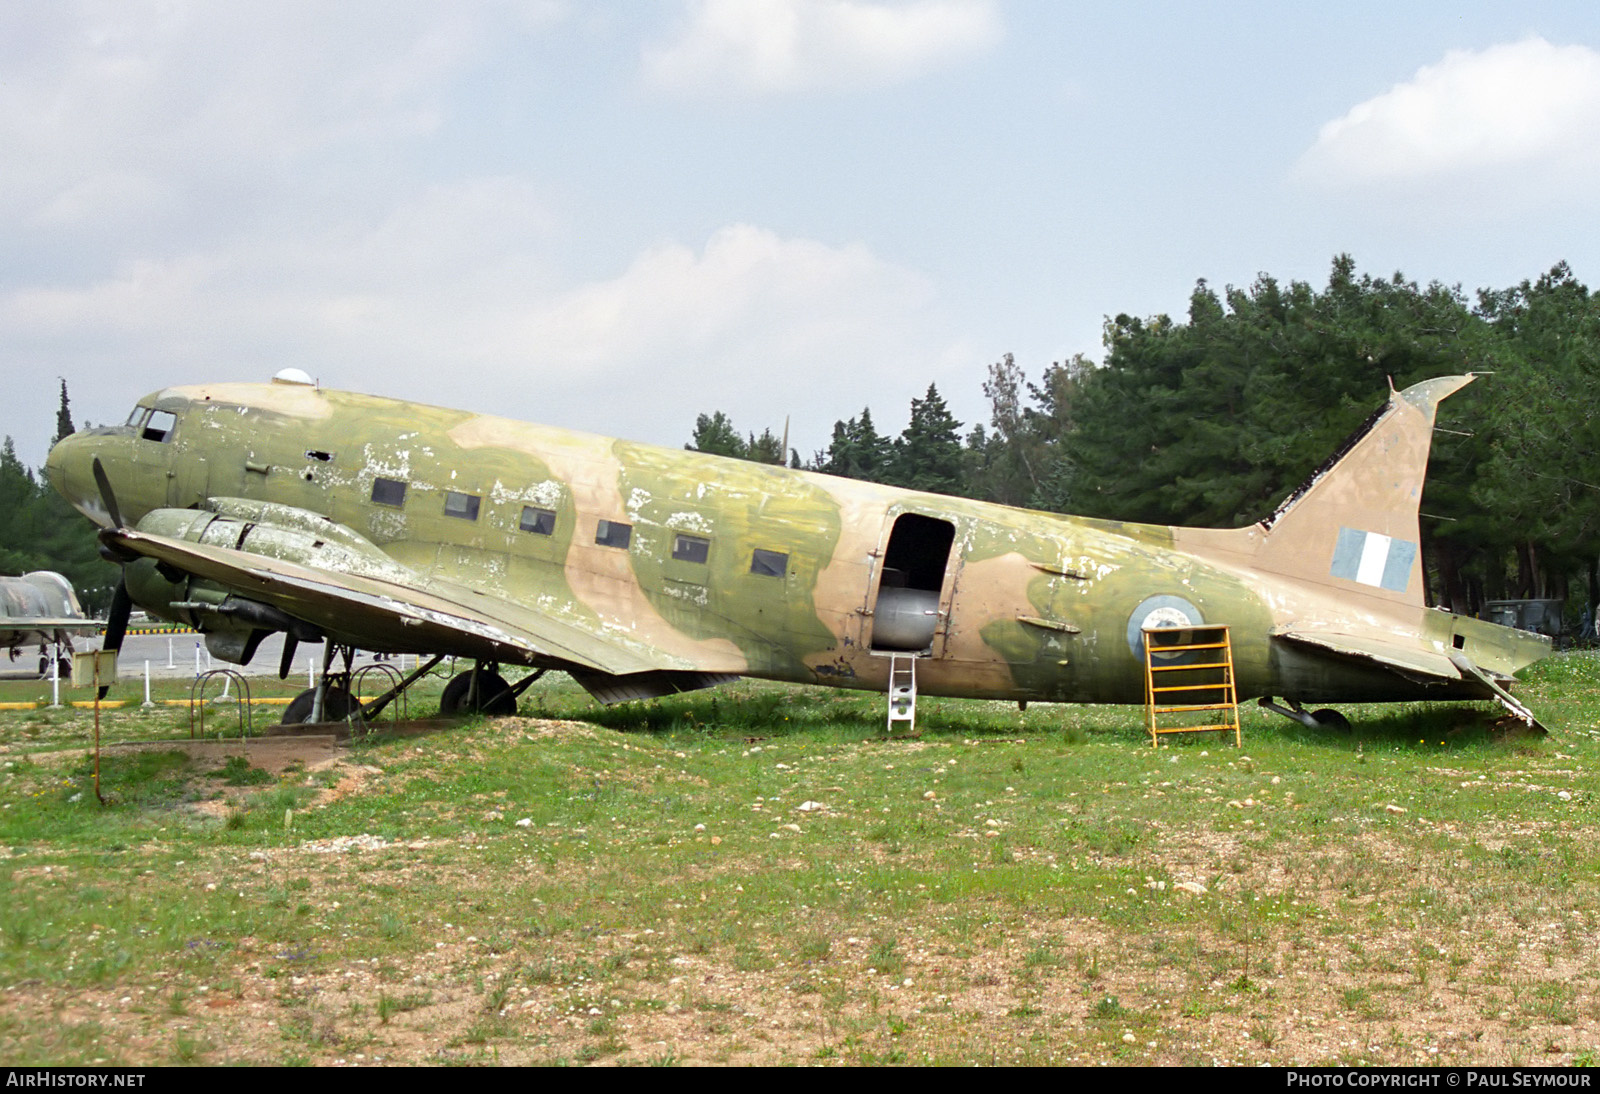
(185, 113)
(747, 283)
(1524, 104)
(756, 325)
(775, 46)
(449, 301)
(200, 192)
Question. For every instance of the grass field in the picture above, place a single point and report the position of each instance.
(754, 875)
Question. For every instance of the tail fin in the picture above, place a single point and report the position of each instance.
(1353, 524)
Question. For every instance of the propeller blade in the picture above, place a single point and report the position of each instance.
(116, 618)
(290, 642)
(108, 498)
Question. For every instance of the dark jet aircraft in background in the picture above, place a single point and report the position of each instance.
(41, 609)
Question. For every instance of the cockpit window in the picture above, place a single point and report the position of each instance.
(136, 419)
(159, 427)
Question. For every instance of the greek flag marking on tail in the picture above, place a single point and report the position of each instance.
(1372, 559)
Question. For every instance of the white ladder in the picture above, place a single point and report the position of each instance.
(902, 691)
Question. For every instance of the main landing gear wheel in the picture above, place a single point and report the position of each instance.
(494, 696)
(1331, 719)
(337, 705)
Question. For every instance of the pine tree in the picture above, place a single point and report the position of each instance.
(1539, 478)
(927, 454)
(19, 493)
(64, 426)
(857, 450)
(714, 433)
(765, 448)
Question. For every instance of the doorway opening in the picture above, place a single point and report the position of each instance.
(905, 616)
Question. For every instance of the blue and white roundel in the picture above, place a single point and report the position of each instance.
(1160, 611)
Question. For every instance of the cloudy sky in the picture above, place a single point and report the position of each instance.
(616, 215)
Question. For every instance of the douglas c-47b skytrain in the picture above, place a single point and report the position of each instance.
(368, 523)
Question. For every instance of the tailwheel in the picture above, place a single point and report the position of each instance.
(337, 705)
(1331, 719)
(1311, 719)
(493, 695)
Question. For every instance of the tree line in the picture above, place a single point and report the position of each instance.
(1212, 419)
(40, 531)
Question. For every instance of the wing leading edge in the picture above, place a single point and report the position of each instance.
(425, 615)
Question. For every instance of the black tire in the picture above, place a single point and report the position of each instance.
(336, 707)
(1331, 719)
(494, 695)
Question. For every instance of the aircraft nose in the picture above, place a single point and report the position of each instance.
(68, 469)
(55, 470)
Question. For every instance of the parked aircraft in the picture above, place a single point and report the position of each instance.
(245, 509)
(41, 608)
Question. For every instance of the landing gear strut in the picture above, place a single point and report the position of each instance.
(479, 690)
(330, 700)
(61, 655)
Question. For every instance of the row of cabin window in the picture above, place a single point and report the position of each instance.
(609, 533)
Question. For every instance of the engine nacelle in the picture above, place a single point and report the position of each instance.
(234, 625)
(278, 531)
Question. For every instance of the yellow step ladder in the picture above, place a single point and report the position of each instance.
(1188, 675)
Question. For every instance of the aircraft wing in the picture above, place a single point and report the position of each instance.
(1415, 662)
(425, 615)
(40, 623)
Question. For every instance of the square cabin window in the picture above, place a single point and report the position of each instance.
(389, 492)
(686, 548)
(769, 563)
(462, 506)
(541, 522)
(613, 533)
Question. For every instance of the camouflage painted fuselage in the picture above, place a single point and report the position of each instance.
(1031, 605)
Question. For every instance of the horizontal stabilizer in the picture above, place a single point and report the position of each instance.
(1407, 658)
(1416, 663)
(647, 685)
